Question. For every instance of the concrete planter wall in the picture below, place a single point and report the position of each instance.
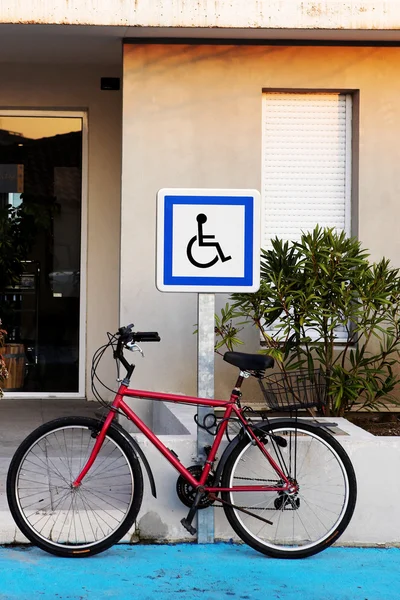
(376, 520)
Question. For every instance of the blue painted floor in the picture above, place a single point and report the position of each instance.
(209, 572)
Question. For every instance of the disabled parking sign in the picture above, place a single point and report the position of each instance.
(208, 240)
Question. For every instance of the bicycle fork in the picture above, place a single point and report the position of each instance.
(96, 449)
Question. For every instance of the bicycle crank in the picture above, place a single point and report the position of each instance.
(187, 493)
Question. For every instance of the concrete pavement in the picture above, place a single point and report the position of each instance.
(206, 572)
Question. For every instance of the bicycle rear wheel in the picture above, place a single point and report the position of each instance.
(66, 521)
(307, 521)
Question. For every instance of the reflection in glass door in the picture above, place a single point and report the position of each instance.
(40, 251)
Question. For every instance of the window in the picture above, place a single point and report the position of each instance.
(306, 163)
(42, 299)
(307, 151)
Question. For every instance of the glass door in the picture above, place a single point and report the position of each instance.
(41, 293)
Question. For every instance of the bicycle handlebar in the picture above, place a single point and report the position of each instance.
(126, 335)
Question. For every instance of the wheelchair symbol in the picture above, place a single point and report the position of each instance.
(202, 243)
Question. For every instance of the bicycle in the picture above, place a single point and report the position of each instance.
(288, 488)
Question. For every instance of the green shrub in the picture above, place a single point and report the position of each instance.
(309, 291)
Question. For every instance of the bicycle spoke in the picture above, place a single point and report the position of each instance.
(106, 505)
(96, 517)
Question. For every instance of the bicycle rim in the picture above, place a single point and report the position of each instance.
(307, 521)
(66, 517)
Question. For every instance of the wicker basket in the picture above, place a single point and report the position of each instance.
(294, 390)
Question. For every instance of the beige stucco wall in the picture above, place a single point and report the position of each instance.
(192, 118)
(78, 87)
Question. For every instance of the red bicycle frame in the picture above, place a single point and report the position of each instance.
(230, 407)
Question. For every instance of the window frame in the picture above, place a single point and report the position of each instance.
(349, 178)
(83, 115)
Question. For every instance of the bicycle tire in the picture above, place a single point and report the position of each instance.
(327, 501)
(76, 522)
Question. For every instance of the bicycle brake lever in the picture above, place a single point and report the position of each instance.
(133, 347)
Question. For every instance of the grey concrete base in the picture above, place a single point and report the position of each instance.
(18, 418)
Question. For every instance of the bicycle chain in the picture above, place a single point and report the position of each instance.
(252, 479)
(256, 479)
(246, 507)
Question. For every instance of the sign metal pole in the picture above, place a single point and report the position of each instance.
(205, 389)
(197, 252)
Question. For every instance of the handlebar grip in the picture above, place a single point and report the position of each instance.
(146, 336)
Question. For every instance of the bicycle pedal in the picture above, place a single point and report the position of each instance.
(192, 530)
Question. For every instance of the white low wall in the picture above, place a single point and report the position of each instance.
(376, 520)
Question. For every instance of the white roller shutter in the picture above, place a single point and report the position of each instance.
(306, 166)
(306, 163)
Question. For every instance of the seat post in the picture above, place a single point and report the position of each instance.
(236, 390)
(239, 382)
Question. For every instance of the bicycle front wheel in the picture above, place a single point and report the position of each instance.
(67, 521)
(306, 521)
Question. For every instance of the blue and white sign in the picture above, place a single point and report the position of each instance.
(208, 240)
